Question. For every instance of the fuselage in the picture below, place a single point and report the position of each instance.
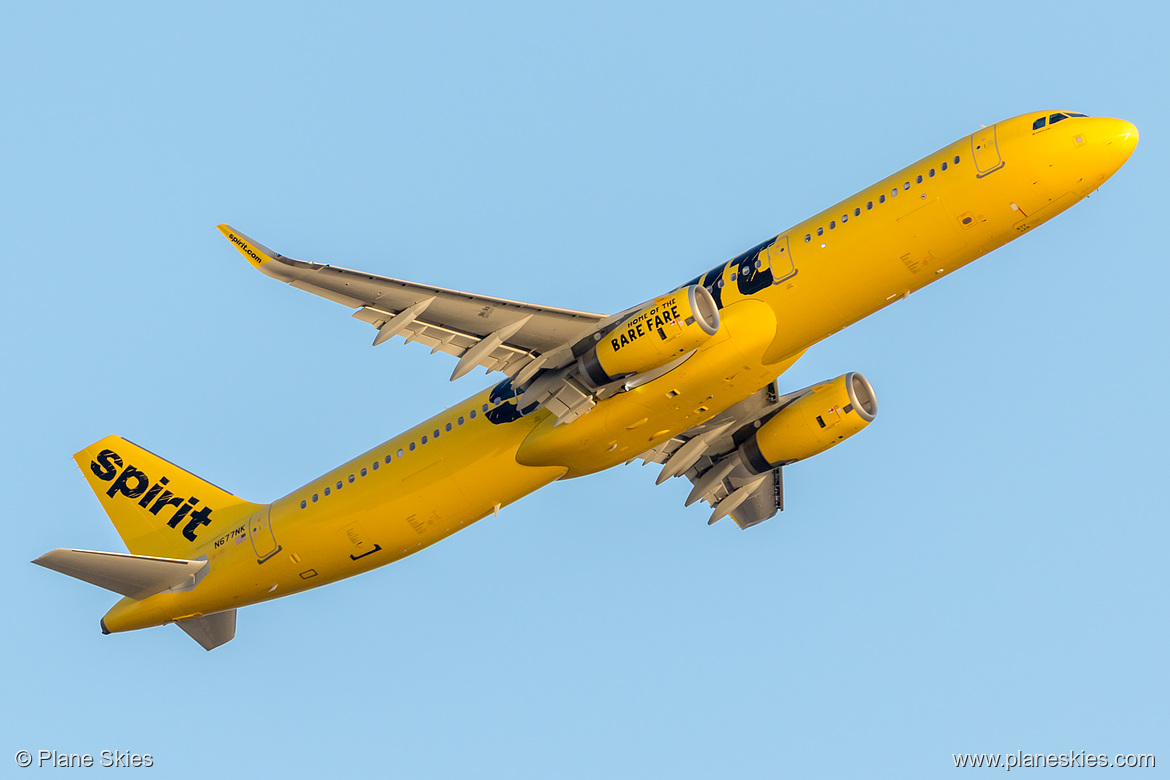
(777, 300)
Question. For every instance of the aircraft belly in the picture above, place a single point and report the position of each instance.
(458, 487)
(463, 482)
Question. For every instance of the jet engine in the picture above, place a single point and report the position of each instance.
(829, 413)
(668, 328)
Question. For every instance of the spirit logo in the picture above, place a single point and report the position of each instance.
(134, 484)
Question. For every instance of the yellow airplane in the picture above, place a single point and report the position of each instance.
(686, 380)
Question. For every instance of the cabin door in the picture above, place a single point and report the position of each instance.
(985, 152)
(780, 258)
(260, 532)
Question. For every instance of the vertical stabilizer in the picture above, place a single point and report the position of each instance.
(158, 508)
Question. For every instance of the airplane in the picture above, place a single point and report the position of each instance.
(687, 380)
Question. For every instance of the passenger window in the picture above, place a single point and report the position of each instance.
(424, 440)
(944, 165)
(485, 408)
(894, 192)
(436, 433)
(327, 491)
(351, 479)
(832, 224)
(411, 447)
(906, 186)
(375, 464)
(363, 472)
(956, 159)
(460, 420)
(857, 212)
(399, 455)
(314, 498)
(882, 198)
(844, 218)
(820, 231)
(304, 504)
(869, 205)
(807, 237)
(1039, 123)
(448, 427)
(340, 484)
(473, 414)
(919, 179)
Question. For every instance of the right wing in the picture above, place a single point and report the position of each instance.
(495, 333)
(708, 455)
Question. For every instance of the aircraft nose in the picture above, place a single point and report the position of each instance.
(1122, 138)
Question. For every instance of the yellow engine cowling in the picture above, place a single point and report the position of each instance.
(665, 330)
(832, 412)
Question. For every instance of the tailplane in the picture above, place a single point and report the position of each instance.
(141, 576)
(165, 515)
(136, 576)
(211, 631)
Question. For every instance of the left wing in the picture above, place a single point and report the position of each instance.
(495, 333)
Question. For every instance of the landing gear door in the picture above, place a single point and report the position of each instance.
(260, 532)
(985, 152)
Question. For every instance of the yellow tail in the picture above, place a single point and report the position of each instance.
(158, 508)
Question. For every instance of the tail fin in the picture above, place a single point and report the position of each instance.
(158, 508)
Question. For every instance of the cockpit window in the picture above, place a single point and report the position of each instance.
(1052, 119)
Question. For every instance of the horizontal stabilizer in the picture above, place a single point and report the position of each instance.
(136, 576)
(211, 631)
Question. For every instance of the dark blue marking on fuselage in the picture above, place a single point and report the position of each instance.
(750, 279)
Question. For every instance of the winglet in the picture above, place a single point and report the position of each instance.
(257, 253)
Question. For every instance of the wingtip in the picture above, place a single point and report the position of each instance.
(257, 253)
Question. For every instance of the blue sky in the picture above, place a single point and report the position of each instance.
(981, 570)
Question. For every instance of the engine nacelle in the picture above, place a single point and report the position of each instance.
(832, 412)
(667, 329)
